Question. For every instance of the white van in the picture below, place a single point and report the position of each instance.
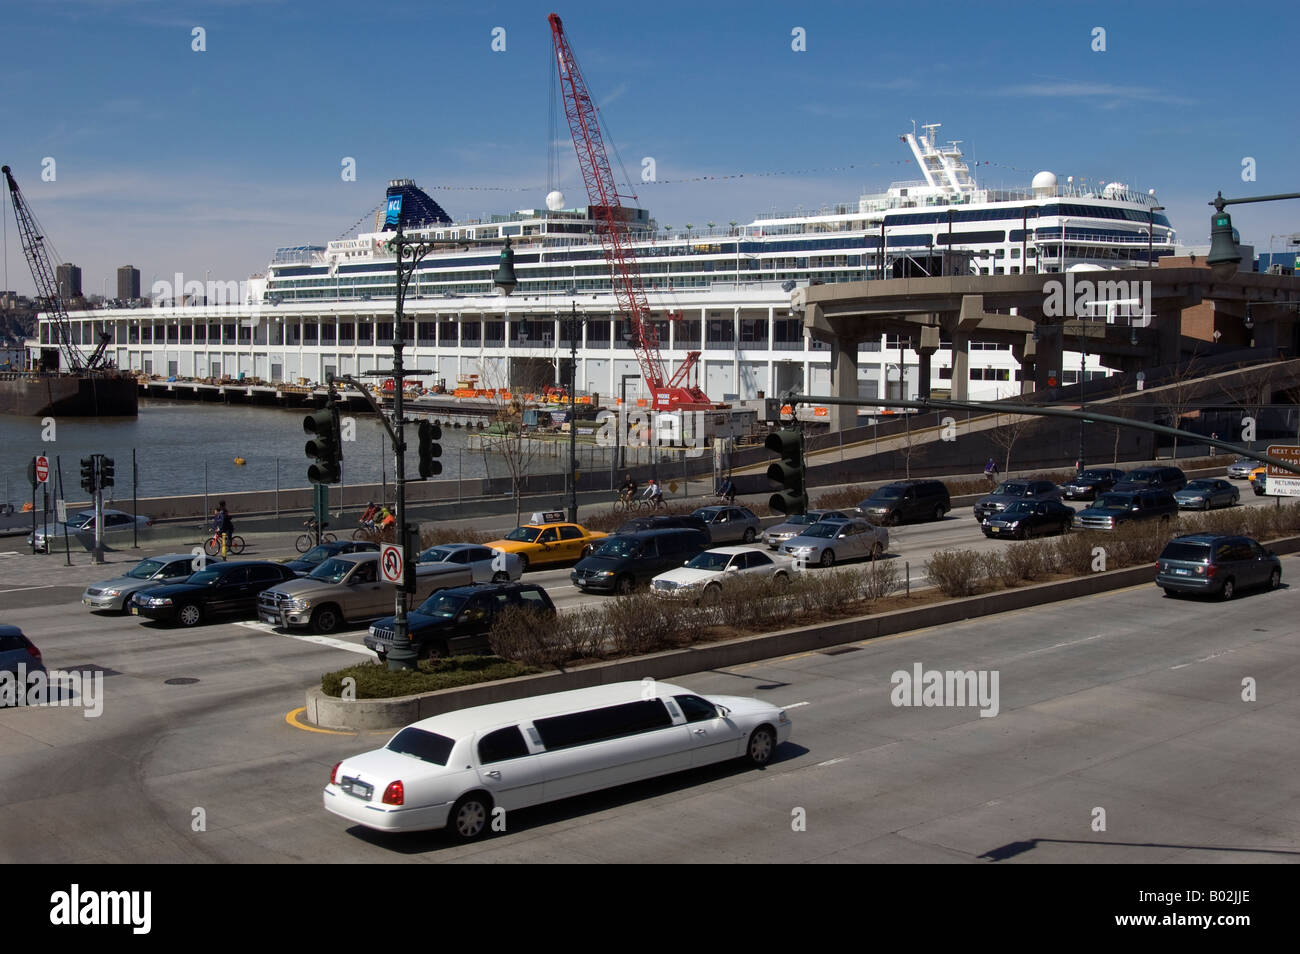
(453, 770)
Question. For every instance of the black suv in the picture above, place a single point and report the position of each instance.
(1206, 563)
(1153, 478)
(906, 500)
(226, 589)
(664, 521)
(621, 562)
(1087, 484)
(457, 620)
(1119, 507)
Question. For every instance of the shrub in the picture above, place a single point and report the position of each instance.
(375, 680)
(638, 623)
(1135, 544)
(755, 603)
(1073, 552)
(883, 579)
(1031, 560)
(530, 637)
(433, 535)
(955, 572)
(846, 498)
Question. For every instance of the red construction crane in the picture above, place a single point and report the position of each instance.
(612, 225)
(47, 286)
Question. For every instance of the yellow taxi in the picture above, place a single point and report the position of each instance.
(543, 544)
(1258, 479)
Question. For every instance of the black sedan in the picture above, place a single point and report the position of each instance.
(1087, 484)
(228, 589)
(322, 552)
(1029, 518)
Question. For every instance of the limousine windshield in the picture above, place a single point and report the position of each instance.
(425, 746)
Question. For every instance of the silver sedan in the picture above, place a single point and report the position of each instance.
(775, 536)
(730, 524)
(486, 564)
(81, 529)
(830, 541)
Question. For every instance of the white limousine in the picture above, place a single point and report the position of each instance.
(453, 770)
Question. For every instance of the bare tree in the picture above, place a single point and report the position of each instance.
(1007, 430)
(1176, 396)
(1251, 394)
(507, 437)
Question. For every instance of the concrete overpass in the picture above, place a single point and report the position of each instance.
(1043, 315)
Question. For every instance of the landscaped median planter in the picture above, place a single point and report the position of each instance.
(335, 713)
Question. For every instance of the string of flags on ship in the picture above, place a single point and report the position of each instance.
(741, 175)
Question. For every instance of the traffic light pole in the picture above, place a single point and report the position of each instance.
(99, 509)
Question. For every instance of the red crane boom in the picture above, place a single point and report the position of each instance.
(611, 220)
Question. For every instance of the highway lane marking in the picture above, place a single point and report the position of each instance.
(291, 717)
(1202, 659)
(34, 586)
(796, 705)
(308, 638)
(832, 762)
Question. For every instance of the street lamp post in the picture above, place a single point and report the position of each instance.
(1151, 211)
(407, 257)
(573, 424)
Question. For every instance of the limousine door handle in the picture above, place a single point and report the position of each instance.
(699, 732)
(493, 774)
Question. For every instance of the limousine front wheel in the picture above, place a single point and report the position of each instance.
(469, 817)
(762, 743)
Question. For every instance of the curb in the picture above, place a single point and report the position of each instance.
(332, 713)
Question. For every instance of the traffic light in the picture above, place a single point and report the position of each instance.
(324, 447)
(106, 470)
(789, 472)
(430, 434)
(88, 474)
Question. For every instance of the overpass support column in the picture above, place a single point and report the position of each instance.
(844, 384)
(1169, 329)
(1049, 354)
(925, 351)
(1026, 356)
(960, 365)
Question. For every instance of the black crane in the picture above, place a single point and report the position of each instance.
(47, 286)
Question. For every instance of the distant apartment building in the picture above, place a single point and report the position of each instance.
(69, 278)
(128, 283)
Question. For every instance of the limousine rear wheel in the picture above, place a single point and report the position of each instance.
(762, 743)
(469, 816)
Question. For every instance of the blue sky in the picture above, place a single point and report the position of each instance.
(175, 160)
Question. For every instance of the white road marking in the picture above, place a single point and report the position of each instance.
(1202, 659)
(831, 762)
(795, 705)
(34, 586)
(309, 638)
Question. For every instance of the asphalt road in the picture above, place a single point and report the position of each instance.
(1127, 702)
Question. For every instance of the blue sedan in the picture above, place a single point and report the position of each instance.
(1207, 494)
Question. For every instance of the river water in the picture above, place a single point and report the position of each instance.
(184, 448)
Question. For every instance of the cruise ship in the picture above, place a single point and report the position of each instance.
(721, 290)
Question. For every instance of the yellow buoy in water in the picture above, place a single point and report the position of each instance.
(240, 462)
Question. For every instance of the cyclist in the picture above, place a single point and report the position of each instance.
(386, 518)
(627, 490)
(653, 493)
(368, 518)
(225, 526)
(727, 490)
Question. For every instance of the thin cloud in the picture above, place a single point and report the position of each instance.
(1108, 91)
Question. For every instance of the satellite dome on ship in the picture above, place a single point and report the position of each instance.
(1044, 183)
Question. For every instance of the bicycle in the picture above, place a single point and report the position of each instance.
(308, 540)
(626, 503)
(373, 534)
(213, 546)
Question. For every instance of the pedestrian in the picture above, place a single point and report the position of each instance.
(991, 471)
(225, 527)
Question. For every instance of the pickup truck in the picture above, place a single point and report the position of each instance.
(347, 588)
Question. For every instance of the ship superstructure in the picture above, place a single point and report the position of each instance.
(721, 290)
